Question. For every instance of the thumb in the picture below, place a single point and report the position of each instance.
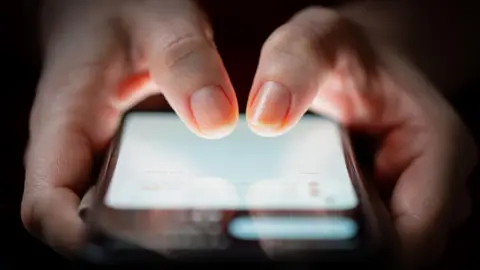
(178, 52)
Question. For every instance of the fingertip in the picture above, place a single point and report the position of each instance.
(267, 130)
(214, 114)
(271, 130)
(269, 109)
(217, 132)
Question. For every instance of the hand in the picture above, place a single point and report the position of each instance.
(91, 47)
(78, 106)
(322, 61)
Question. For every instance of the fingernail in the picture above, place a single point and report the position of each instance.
(270, 107)
(213, 112)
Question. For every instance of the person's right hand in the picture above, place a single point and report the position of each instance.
(91, 47)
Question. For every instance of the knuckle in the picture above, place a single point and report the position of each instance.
(321, 20)
(180, 48)
(318, 14)
(292, 40)
(27, 214)
(333, 32)
(312, 31)
(36, 182)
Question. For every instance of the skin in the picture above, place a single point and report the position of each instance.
(321, 60)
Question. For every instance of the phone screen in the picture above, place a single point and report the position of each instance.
(294, 186)
(162, 165)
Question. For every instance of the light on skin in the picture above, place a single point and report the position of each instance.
(269, 109)
(216, 123)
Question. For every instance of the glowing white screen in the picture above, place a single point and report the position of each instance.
(162, 165)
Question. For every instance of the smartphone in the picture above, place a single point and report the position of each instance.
(165, 194)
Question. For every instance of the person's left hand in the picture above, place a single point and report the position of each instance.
(321, 61)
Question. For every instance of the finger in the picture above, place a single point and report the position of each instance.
(287, 78)
(72, 119)
(420, 212)
(176, 43)
(430, 181)
(425, 202)
(312, 53)
(57, 171)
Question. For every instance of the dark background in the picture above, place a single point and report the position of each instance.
(239, 43)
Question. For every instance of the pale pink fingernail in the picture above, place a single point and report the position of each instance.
(213, 111)
(270, 107)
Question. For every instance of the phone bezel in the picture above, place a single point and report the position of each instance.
(108, 246)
